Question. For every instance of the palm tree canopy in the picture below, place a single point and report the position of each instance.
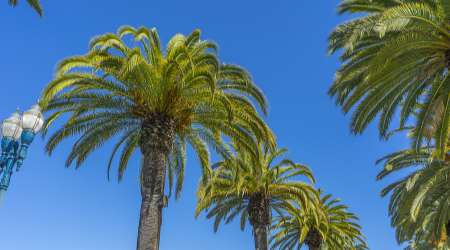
(396, 54)
(115, 89)
(420, 201)
(243, 178)
(334, 228)
(35, 4)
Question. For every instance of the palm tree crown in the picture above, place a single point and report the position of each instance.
(398, 54)
(395, 56)
(420, 200)
(115, 89)
(331, 227)
(254, 187)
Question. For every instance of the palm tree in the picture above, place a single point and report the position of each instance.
(333, 228)
(395, 55)
(420, 200)
(154, 100)
(253, 187)
(35, 4)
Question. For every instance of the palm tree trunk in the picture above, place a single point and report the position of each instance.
(260, 237)
(260, 219)
(153, 172)
(156, 141)
(313, 239)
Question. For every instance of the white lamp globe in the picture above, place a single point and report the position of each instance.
(33, 119)
(12, 127)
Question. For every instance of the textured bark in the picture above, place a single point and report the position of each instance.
(447, 58)
(447, 229)
(260, 218)
(313, 240)
(157, 136)
(314, 248)
(260, 237)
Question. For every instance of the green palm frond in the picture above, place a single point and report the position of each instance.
(35, 4)
(395, 58)
(419, 201)
(331, 227)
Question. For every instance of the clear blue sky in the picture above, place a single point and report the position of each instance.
(283, 44)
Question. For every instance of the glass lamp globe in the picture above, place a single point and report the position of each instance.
(33, 119)
(12, 127)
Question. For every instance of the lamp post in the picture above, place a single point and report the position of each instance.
(18, 133)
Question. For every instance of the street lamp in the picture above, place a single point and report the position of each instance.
(18, 133)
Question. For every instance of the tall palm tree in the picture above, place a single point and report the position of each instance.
(35, 4)
(254, 187)
(420, 201)
(156, 100)
(395, 55)
(333, 228)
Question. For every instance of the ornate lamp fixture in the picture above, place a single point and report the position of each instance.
(18, 133)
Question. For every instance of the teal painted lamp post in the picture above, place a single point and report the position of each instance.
(18, 132)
